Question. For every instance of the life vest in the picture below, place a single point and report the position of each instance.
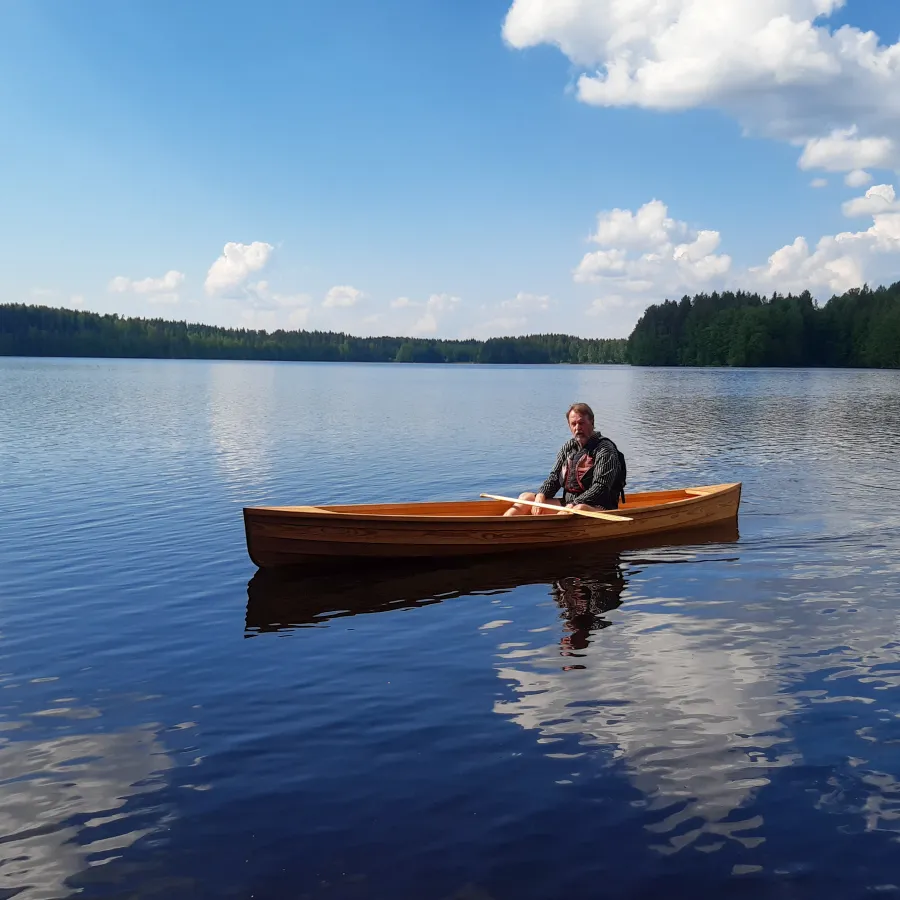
(581, 461)
(576, 466)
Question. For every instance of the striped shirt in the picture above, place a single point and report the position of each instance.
(599, 480)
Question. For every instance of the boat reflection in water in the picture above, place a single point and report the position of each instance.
(586, 583)
(693, 725)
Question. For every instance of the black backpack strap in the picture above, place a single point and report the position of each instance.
(623, 468)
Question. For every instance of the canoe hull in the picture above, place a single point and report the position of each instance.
(292, 536)
(295, 597)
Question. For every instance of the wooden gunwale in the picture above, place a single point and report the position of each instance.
(367, 512)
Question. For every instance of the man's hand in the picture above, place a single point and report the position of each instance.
(536, 510)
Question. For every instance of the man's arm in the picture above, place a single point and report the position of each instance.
(553, 481)
(600, 493)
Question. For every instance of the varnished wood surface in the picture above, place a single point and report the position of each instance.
(288, 535)
(311, 595)
(562, 510)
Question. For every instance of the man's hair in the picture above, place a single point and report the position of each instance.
(582, 409)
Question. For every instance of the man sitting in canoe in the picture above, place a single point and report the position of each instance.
(588, 469)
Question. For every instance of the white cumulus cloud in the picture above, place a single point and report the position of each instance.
(342, 295)
(430, 313)
(880, 198)
(235, 265)
(666, 259)
(442, 302)
(774, 65)
(857, 178)
(842, 150)
(169, 283)
(819, 183)
(837, 263)
(257, 305)
(650, 225)
(262, 297)
(606, 304)
(601, 262)
(424, 325)
(794, 268)
(649, 250)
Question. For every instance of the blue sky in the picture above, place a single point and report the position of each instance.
(443, 168)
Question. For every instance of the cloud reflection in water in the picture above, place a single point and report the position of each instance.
(66, 805)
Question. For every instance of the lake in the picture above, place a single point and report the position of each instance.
(692, 718)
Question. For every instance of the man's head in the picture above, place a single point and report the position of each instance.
(581, 422)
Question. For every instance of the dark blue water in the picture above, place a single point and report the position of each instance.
(717, 715)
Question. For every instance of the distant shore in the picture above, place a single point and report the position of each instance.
(48, 331)
(858, 329)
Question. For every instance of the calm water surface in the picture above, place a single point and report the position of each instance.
(718, 715)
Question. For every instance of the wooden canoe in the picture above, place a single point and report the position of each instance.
(296, 535)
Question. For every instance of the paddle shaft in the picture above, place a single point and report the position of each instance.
(578, 512)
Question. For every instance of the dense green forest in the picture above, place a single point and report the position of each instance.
(43, 331)
(860, 328)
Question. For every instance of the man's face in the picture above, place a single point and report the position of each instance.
(581, 427)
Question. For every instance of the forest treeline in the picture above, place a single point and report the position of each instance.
(45, 331)
(860, 328)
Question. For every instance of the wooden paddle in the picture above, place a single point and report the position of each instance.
(610, 517)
